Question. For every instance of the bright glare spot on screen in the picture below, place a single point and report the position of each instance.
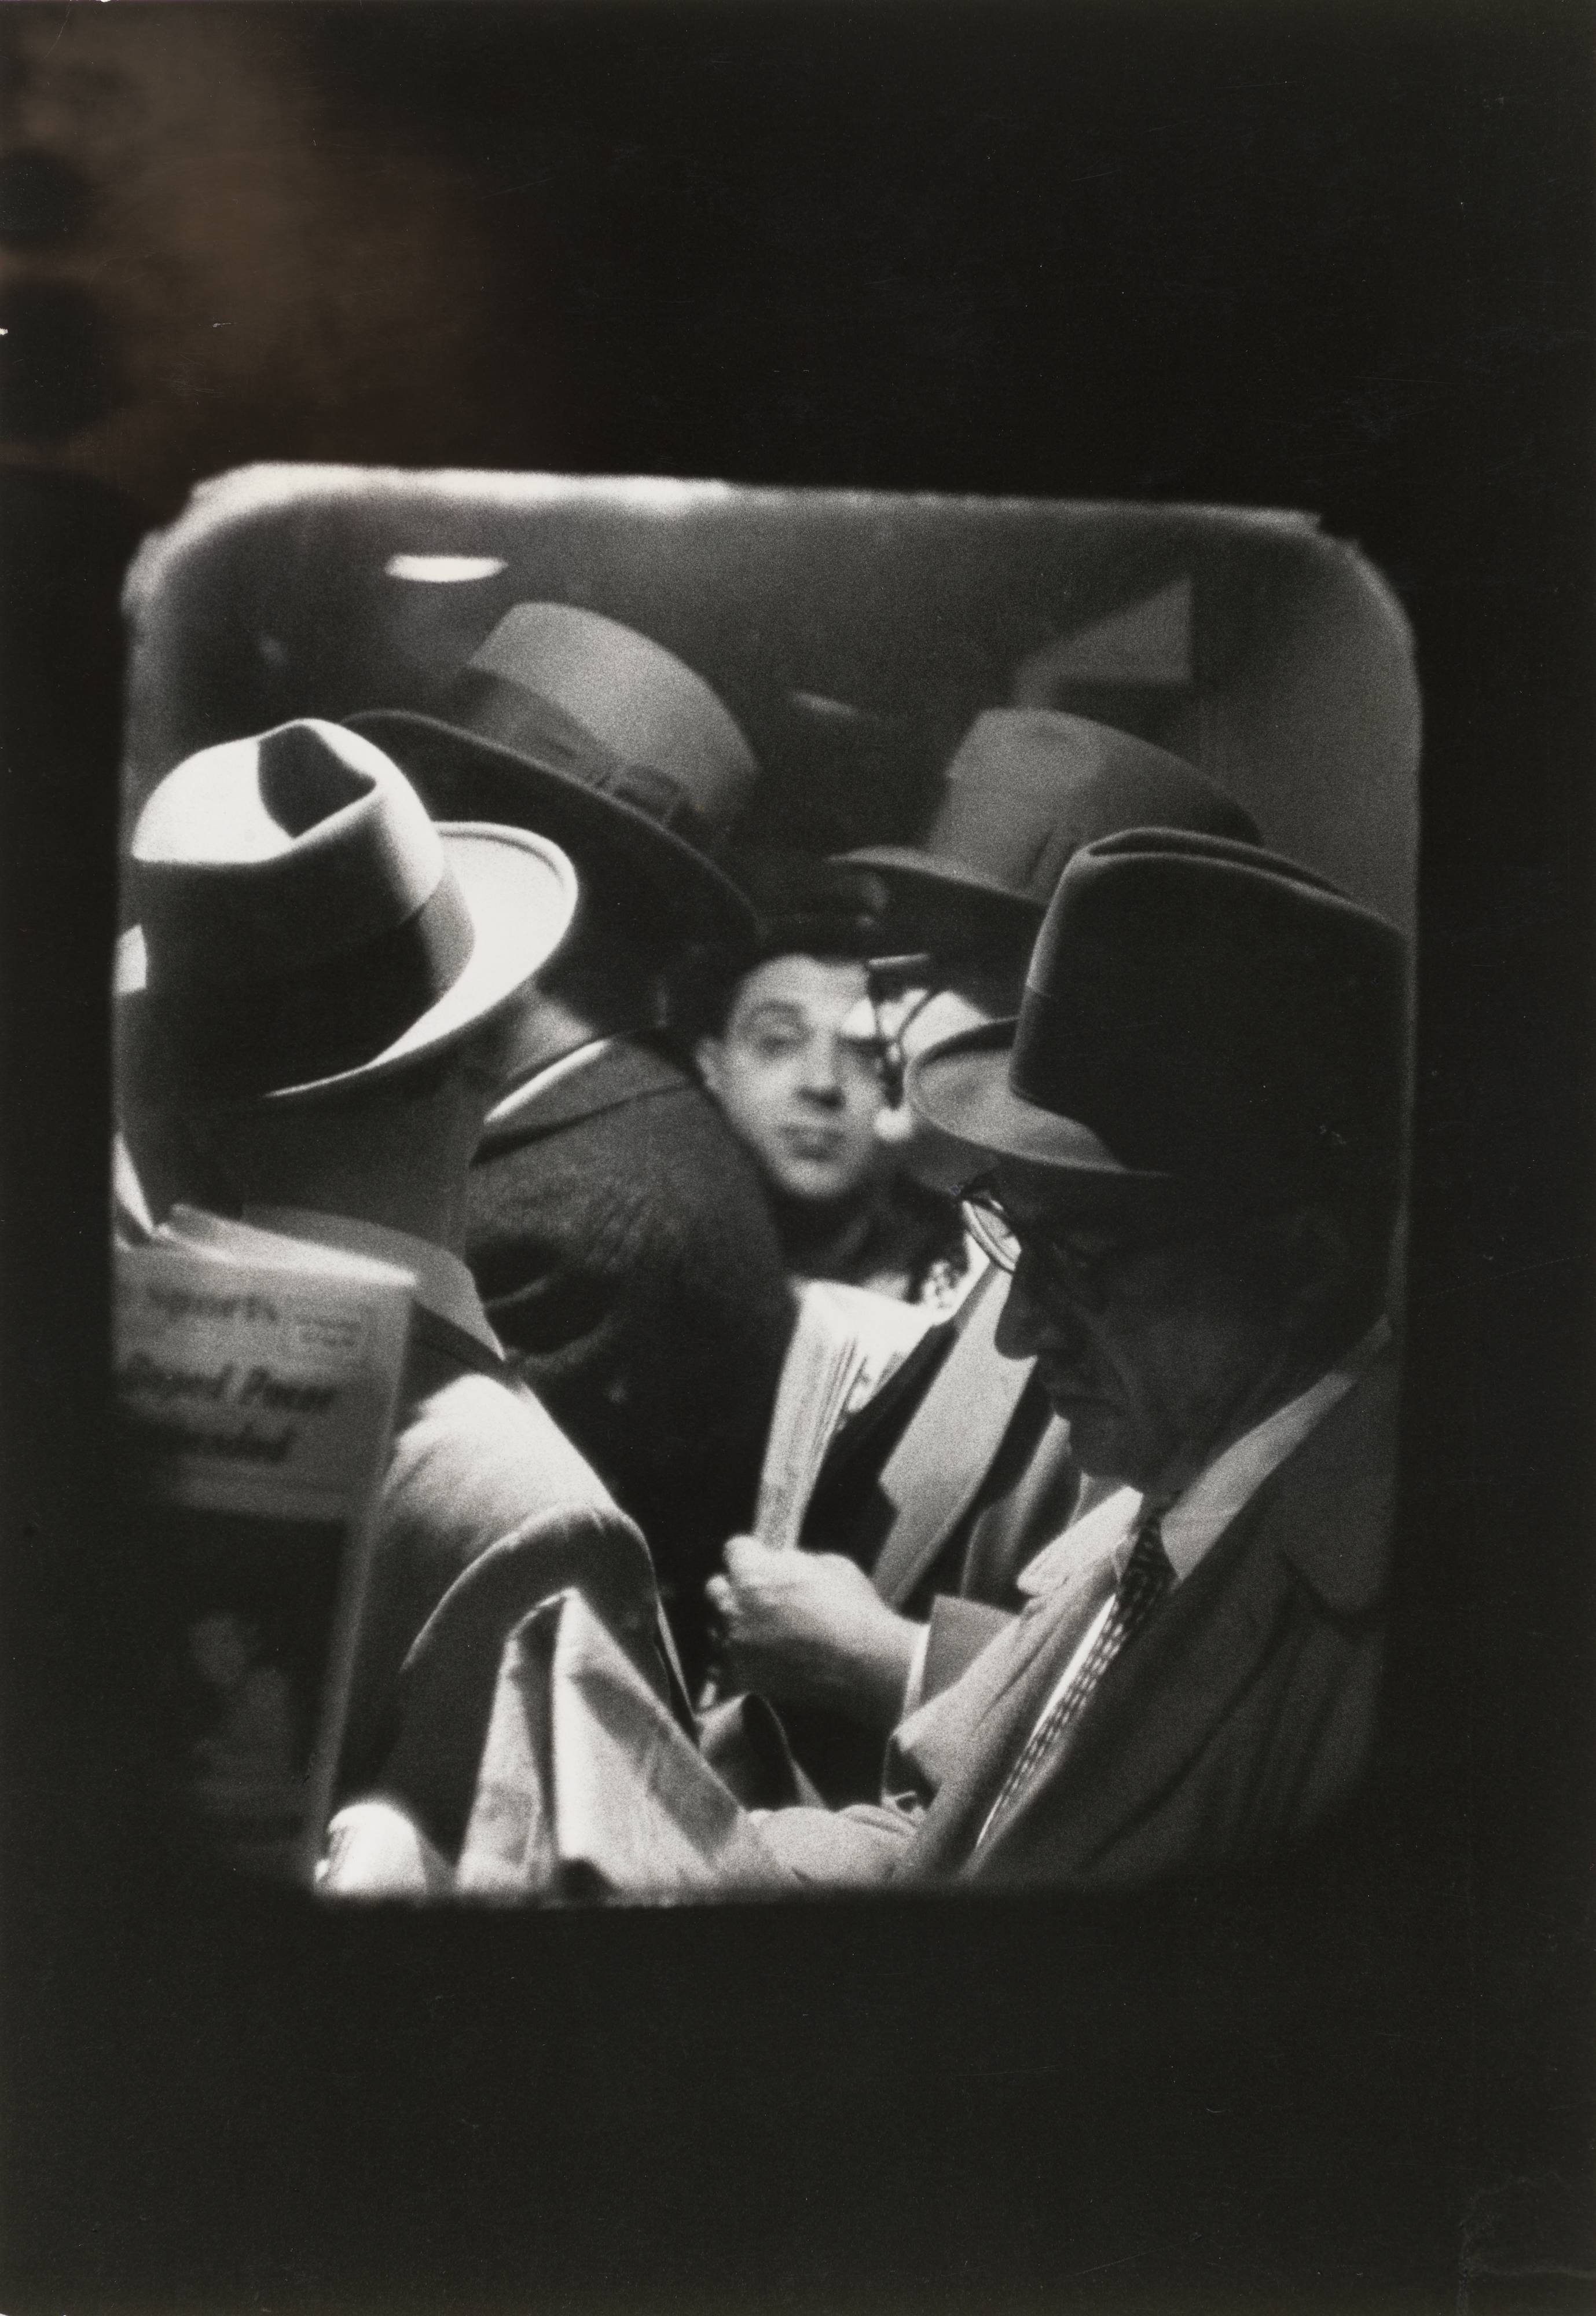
(443, 570)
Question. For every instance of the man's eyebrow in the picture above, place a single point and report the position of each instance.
(783, 1012)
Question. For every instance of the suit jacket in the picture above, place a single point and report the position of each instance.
(486, 1509)
(1240, 1716)
(954, 1476)
(626, 1255)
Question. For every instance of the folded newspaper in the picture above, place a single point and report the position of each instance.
(256, 1379)
(847, 1342)
(586, 1788)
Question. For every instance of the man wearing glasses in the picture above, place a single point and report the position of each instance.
(1193, 1141)
(935, 1497)
(1188, 1155)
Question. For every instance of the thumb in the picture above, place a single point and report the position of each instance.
(745, 1556)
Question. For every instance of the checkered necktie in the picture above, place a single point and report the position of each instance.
(1147, 1576)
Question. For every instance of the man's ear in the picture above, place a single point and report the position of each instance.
(710, 1064)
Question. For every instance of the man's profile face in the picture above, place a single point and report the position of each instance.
(1146, 1343)
(801, 1095)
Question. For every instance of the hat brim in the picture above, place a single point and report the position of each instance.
(521, 893)
(906, 864)
(961, 1088)
(912, 875)
(458, 773)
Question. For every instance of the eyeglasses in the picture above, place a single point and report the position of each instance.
(1079, 1265)
(1081, 1261)
(890, 981)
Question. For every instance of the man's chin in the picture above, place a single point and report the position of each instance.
(816, 1186)
(1096, 1437)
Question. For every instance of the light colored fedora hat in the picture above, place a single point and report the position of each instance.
(566, 722)
(1024, 791)
(305, 927)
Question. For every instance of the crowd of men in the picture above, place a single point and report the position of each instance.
(1090, 1586)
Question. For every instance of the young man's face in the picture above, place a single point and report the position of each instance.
(1152, 1345)
(801, 1095)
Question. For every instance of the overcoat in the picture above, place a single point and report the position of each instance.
(626, 1258)
(486, 1509)
(1240, 1717)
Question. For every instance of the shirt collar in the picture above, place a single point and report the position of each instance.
(1201, 1513)
(443, 1284)
(506, 1111)
(1107, 1529)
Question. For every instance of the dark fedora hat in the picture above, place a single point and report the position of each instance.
(1024, 791)
(305, 927)
(1200, 1017)
(565, 722)
(811, 905)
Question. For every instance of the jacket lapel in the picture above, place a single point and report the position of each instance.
(1157, 1708)
(1161, 1702)
(959, 1747)
(931, 1476)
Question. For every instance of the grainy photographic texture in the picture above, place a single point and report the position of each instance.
(992, 602)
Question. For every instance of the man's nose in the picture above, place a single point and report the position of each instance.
(822, 1075)
(1026, 1323)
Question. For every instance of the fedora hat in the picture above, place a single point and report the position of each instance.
(1200, 1017)
(1024, 791)
(305, 927)
(565, 722)
(815, 905)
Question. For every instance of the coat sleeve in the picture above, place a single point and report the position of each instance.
(484, 1504)
(444, 1693)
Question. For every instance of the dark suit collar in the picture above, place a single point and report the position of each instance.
(621, 1070)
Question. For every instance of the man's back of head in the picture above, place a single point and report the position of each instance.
(311, 1007)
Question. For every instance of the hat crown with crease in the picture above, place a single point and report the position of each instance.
(1026, 787)
(1198, 1015)
(632, 698)
(567, 721)
(283, 851)
(302, 920)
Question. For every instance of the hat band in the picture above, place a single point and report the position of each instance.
(493, 707)
(316, 1020)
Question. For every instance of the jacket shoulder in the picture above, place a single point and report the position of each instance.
(480, 1456)
(660, 1184)
(1329, 1508)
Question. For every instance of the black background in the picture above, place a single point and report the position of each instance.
(1329, 258)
